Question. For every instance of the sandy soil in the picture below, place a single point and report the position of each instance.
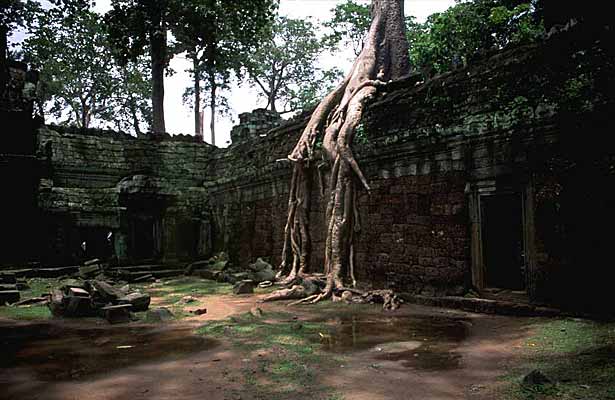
(170, 362)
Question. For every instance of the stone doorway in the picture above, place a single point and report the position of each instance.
(503, 253)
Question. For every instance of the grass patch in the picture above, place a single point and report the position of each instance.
(285, 354)
(577, 355)
(25, 313)
(171, 291)
(185, 286)
(37, 287)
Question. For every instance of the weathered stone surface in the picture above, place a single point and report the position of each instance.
(117, 314)
(161, 314)
(244, 287)
(138, 301)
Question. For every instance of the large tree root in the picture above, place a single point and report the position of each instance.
(383, 59)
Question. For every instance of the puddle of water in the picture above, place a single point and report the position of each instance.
(62, 353)
(421, 342)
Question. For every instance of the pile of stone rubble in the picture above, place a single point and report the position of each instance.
(10, 286)
(100, 298)
(218, 268)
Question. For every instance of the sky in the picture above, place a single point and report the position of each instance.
(180, 118)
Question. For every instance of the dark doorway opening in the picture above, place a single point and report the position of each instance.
(143, 237)
(502, 239)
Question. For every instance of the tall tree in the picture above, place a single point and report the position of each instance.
(334, 121)
(284, 68)
(350, 24)
(80, 82)
(218, 37)
(67, 44)
(137, 26)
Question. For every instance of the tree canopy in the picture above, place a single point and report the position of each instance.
(451, 38)
(79, 79)
(138, 27)
(218, 36)
(284, 68)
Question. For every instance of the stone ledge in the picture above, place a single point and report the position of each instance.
(484, 306)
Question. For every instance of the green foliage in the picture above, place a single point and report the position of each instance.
(37, 288)
(284, 68)
(79, 79)
(15, 13)
(467, 30)
(350, 23)
(219, 36)
(132, 24)
(452, 38)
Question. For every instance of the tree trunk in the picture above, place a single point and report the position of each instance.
(272, 102)
(3, 58)
(197, 96)
(212, 105)
(158, 54)
(384, 58)
(135, 118)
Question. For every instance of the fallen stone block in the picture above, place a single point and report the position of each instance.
(143, 278)
(78, 303)
(56, 303)
(161, 314)
(32, 301)
(138, 301)
(198, 311)
(244, 287)
(210, 275)
(106, 291)
(9, 296)
(117, 314)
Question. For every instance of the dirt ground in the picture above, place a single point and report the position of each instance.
(414, 353)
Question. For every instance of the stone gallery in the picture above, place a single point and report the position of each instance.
(490, 191)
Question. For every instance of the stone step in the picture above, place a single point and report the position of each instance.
(7, 278)
(153, 267)
(159, 274)
(45, 272)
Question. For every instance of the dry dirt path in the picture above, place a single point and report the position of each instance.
(89, 360)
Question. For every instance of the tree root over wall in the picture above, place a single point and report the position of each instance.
(383, 59)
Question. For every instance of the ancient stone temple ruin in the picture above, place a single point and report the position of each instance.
(522, 139)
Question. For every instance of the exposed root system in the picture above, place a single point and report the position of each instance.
(384, 58)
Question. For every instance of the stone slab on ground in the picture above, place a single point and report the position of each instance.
(117, 314)
(244, 287)
(137, 301)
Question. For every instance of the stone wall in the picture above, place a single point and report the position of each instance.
(532, 121)
(430, 151)
(97, 182)
(19, 172)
